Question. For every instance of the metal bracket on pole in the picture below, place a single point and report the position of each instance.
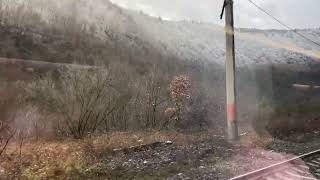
(223, 7)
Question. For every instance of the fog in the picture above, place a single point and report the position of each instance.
(298, 14)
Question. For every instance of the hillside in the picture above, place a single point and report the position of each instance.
(99, 32)
(204, 42)
(186, 40)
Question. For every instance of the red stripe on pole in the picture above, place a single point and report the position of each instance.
(231, 112)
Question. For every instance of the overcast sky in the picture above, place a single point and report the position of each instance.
(295, 13)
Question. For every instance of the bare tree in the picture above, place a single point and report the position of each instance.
(155, 98)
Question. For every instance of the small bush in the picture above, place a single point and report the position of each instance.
(180, 91)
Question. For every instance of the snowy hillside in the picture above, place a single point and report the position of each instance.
(201, 41)
(188, 40)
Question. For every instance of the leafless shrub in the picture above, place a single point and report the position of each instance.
(7, 131)
(31, 123)
(83, 99)
(170, 115)
(155, 97)
(192, 105)
(6, 134)
(4, 143)
(197, 109)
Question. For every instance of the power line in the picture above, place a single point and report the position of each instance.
(283, 24)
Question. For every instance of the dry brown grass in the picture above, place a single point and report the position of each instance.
(254, 140)
(126, 139)
(43, 160)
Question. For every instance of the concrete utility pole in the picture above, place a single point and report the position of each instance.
(230, 71)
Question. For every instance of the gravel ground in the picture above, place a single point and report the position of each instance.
(297, 144)
(170, 161)
(210, 159)
(245, 160)
(214, 159)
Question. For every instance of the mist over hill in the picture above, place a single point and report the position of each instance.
(193, 41)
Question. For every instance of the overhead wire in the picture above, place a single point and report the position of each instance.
(284, 24)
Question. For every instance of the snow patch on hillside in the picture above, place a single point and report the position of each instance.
(188, 40)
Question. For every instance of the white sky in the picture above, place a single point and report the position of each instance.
(295, 13)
